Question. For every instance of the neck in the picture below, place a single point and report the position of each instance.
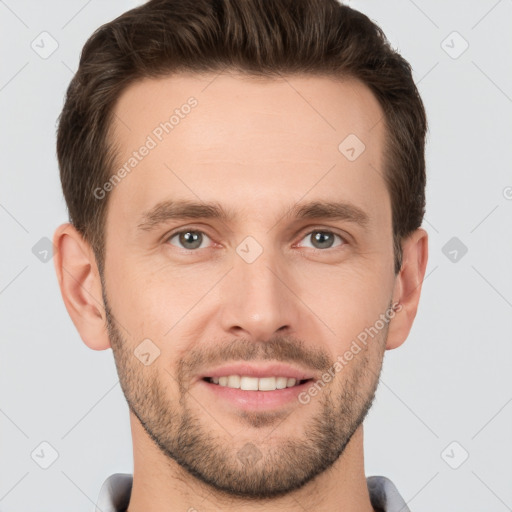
(160, 484)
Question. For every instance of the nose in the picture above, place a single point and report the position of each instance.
(258, 299)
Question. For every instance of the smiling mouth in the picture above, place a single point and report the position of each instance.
(248, 383)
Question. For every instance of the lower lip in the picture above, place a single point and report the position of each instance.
(257, 400)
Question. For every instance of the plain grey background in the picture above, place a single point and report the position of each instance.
(442, 422)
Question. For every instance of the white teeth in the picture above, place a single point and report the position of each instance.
(281, 382)
(247, 383)
(267, 384)
(234, 381)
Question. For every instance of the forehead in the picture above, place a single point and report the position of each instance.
(238, 139)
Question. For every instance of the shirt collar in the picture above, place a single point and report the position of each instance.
(115, 494)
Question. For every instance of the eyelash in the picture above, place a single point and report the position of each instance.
(310, 232)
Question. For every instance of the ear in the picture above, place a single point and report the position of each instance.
(407, 289)
(80, 286)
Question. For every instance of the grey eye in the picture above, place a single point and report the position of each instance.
(322, 239)
(189, 239)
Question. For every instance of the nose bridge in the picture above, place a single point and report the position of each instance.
(255, 298)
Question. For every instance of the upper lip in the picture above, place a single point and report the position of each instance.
(259, 370)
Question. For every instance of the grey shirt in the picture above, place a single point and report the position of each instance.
(115, 494)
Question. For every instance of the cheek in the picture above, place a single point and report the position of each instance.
(158, 305)
(347, 299)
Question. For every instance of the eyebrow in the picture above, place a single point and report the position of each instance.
(188, 210)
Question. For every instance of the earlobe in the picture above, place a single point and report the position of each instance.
(408, 286)
(80, 286)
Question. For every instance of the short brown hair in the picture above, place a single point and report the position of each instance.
(257, 37)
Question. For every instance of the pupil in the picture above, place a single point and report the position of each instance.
(323, 239)
(192, 238)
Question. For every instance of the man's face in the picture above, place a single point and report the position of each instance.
(268, 292)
